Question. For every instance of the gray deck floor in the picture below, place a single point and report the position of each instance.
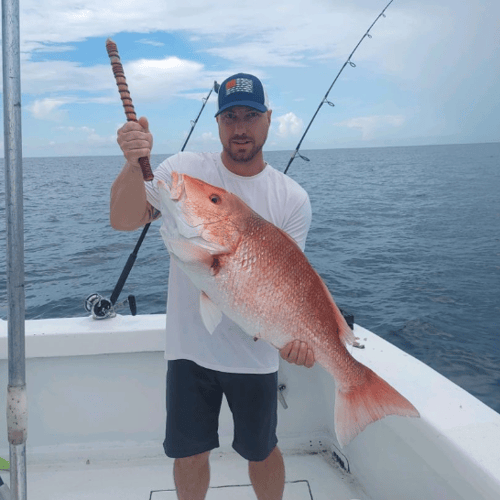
(308, 477)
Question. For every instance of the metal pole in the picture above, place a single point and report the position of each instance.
(17, 410)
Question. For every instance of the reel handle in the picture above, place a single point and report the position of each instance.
(102, 308)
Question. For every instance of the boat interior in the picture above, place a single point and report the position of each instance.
(96, 399)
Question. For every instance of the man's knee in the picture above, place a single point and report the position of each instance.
(275, 454)
(193, 461)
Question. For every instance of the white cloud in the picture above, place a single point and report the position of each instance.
(64, 76)
(94, 139)
(199, 96)
(370, 125)
(84, 137)
(281, 35)
(153, 79)
(49, 48)
(209, 137)
(243, 34)
(289, 125)
(259, 54)
(154, 43)
(207, 141)
(410, 42)
(149, 79)
(48, 109)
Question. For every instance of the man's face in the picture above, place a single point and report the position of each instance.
(243, 132)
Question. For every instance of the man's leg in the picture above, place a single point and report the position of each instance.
(194, 399)
(192, 476)
(268, 476)
(253, 400)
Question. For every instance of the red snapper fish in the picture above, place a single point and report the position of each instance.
(253, 272)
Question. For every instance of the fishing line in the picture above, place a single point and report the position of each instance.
(100, 307)
(325, 99)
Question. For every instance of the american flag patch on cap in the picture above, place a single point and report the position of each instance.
(242, 89)
(239, 85)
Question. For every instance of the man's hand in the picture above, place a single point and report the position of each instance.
(298, 353)
(135, 140)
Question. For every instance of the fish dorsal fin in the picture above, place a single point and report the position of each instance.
(210, 313)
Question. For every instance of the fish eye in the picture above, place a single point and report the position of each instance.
(215, 199)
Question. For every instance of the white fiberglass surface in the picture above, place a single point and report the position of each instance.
(308, 477)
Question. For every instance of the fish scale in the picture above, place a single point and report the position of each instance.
(252, 271)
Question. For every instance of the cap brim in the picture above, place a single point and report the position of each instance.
(250, 104)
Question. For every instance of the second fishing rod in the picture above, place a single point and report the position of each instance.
(97, 305)
(325, 98)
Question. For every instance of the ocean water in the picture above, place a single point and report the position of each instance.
(407, 239)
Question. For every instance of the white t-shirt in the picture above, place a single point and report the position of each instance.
(274, 196)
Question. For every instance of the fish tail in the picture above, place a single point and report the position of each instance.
(360, 405)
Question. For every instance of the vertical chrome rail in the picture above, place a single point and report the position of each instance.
(16, 392)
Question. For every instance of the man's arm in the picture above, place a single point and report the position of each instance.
(129, 208)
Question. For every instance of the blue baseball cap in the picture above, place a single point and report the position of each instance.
(242, 89)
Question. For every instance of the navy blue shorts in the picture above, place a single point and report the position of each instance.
(194, 398)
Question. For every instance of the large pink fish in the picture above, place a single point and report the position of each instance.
(252, 271)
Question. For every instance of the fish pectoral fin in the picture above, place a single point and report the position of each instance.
(210, 313)
(186, 252)
(211, 247)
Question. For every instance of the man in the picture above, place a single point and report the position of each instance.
(203, 367)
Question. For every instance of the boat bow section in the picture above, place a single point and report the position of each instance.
(450, 452)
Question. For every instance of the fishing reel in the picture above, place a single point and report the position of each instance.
(102, 308)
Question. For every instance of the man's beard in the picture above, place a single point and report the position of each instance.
(242, 156)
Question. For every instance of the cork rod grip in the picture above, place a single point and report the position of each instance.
(121, 82)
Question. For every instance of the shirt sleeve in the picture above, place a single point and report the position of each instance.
(163, 172)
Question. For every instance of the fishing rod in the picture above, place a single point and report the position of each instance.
(100, 307)
(215, 87)
(325, 99)
(121, 82)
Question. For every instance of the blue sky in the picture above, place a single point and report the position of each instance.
(429, 75)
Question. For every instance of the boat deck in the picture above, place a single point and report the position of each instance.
(308, 476)
(96, 395)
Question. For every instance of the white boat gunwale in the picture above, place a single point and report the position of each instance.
(454, 444)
